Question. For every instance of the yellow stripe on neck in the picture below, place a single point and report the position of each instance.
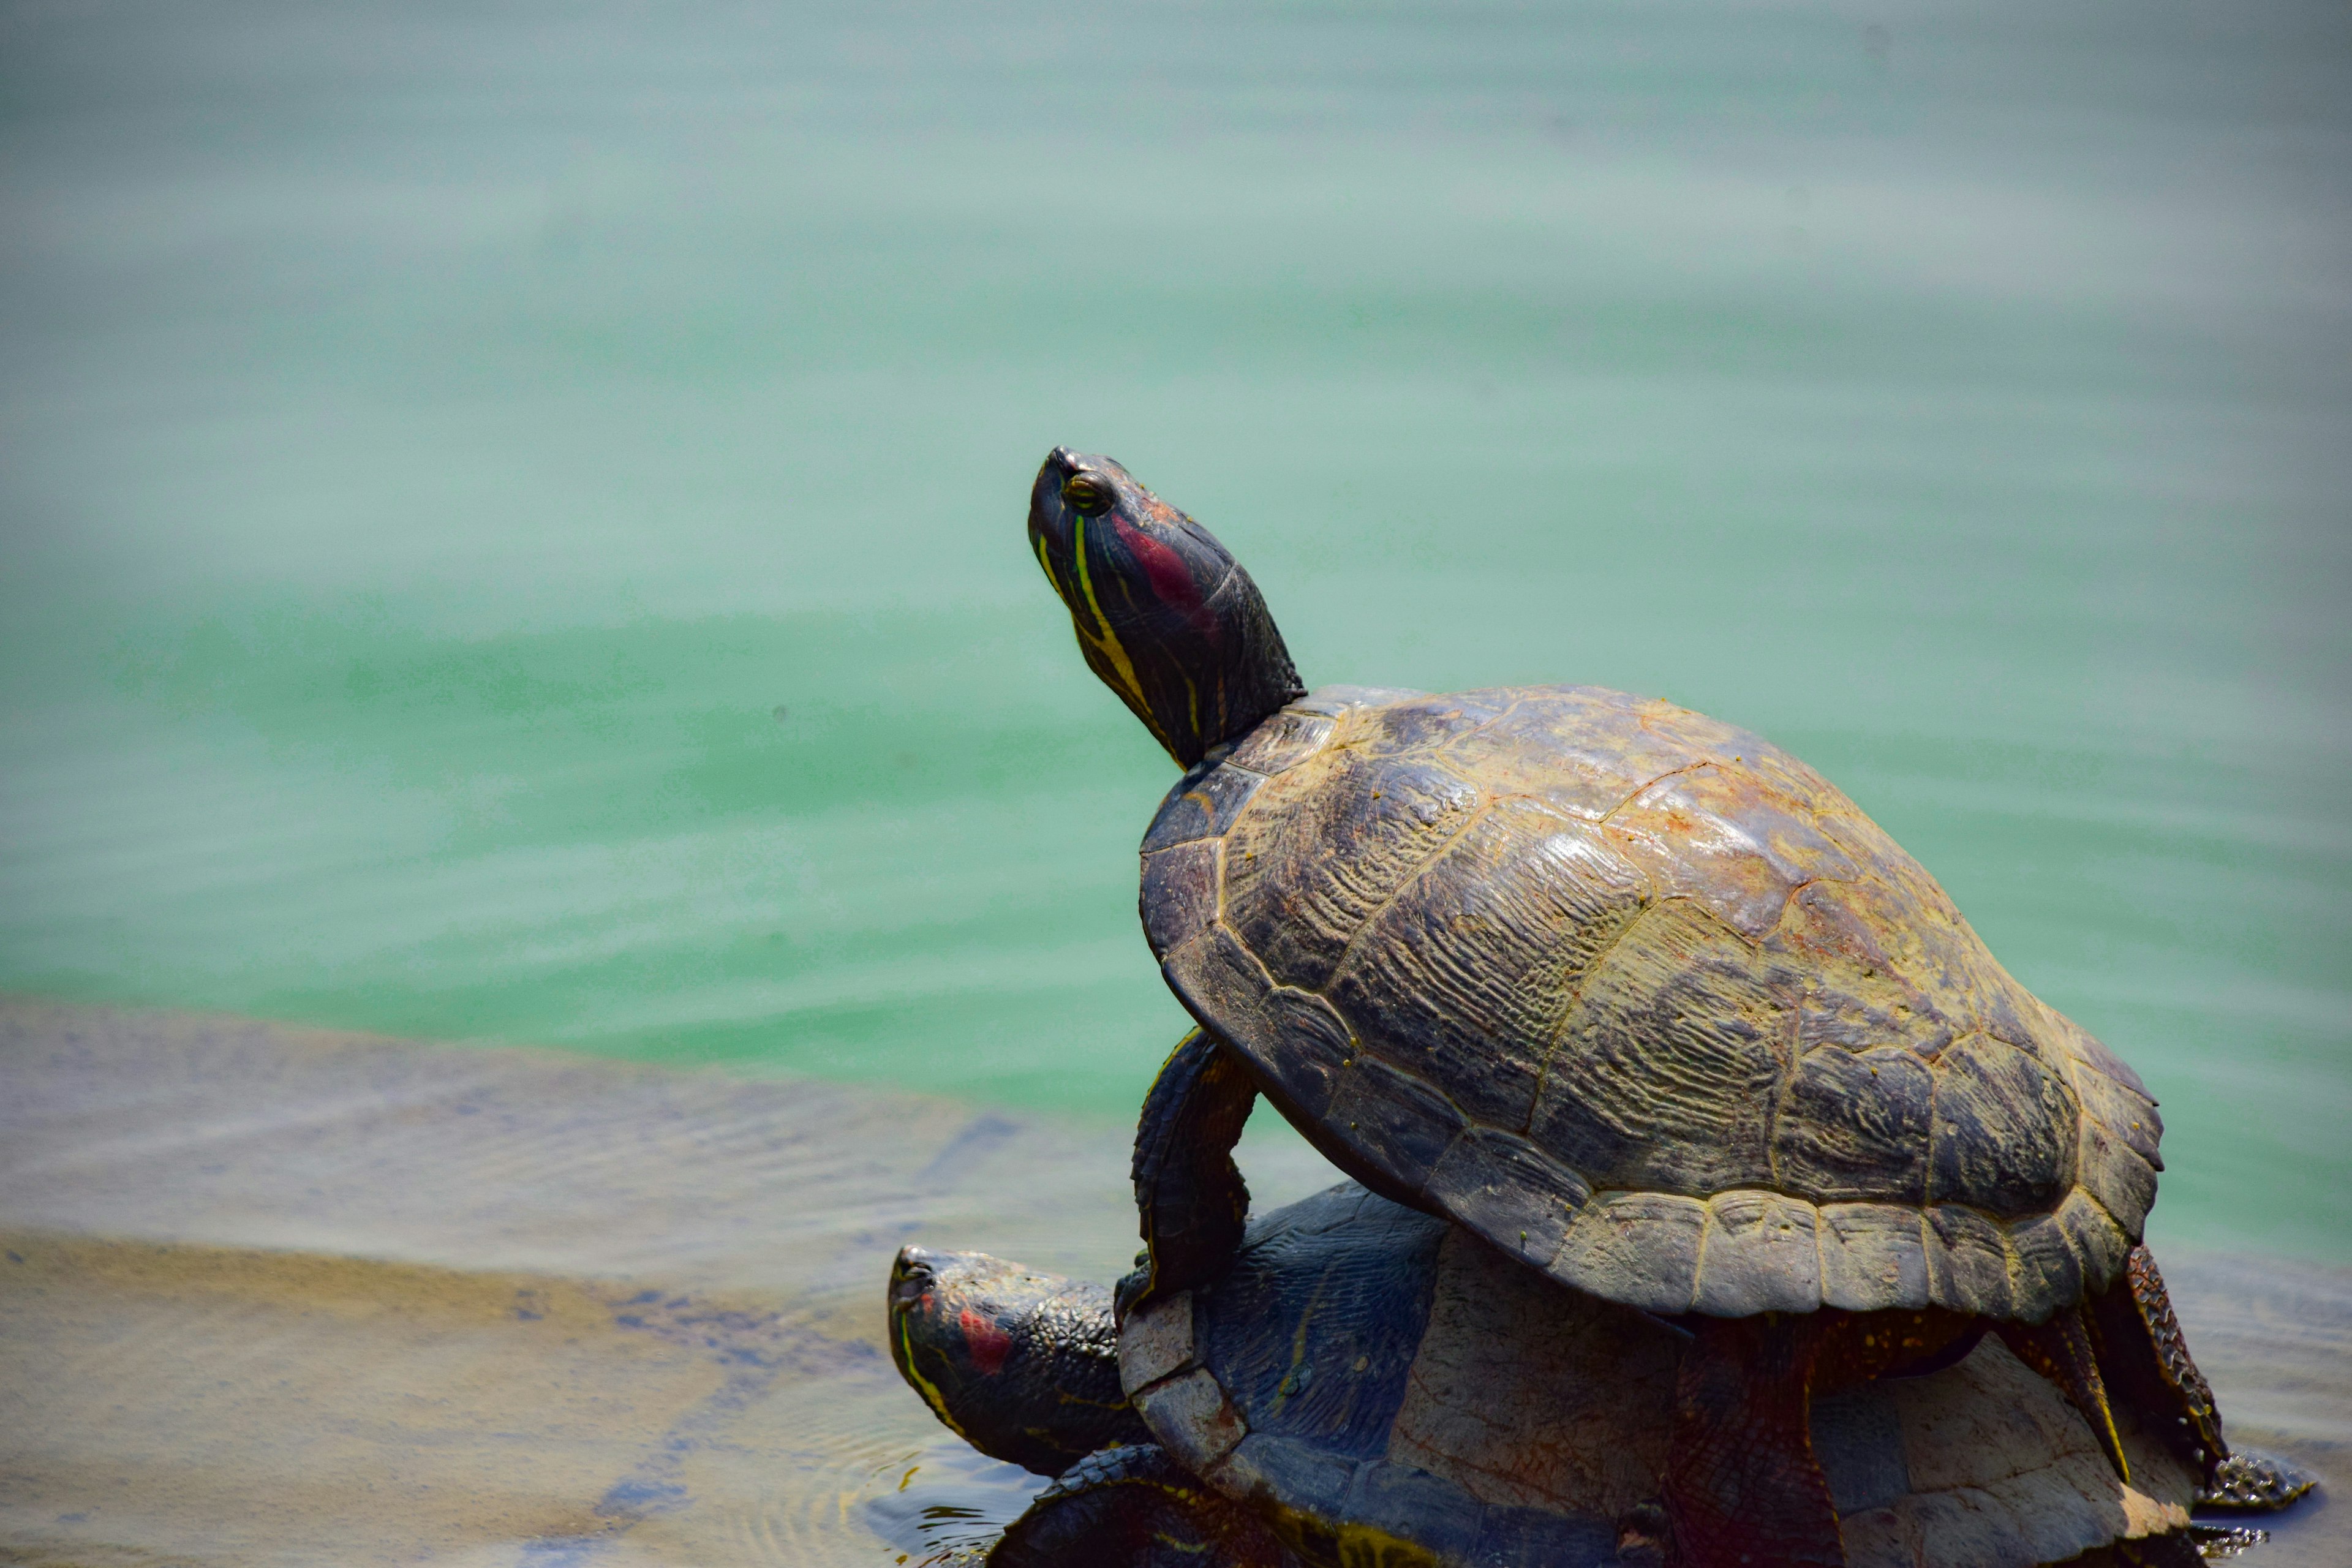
(1107, 644)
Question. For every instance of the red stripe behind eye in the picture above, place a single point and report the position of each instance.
(988, 1343)
(1171, 583)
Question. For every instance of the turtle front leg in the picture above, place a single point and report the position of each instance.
(1742, 1485)
(1134, 1507)
(1189, 1194)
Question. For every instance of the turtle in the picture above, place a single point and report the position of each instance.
(1630, 993)
(1369, 1384)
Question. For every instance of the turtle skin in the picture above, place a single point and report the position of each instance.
(1646, 1003)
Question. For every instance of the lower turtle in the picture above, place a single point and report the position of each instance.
(1367, 1384)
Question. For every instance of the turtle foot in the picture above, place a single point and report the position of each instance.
(2255, 1483)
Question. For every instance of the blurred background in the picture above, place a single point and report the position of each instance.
(510, 516)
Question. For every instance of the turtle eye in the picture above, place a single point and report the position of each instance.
(1089, 495)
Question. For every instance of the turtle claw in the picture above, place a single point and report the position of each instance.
(2061, 1351)
(2250, 1482)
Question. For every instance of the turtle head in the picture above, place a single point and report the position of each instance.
(1169, 620)
(1023, 1367)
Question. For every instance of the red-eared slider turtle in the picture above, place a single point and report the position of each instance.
(1368, 1384)
(1634, 995)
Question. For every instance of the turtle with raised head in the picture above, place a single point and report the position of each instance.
(1633, 995)
(1366, 1384)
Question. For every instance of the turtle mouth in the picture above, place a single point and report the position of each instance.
(913, 1278)
(1052, 524)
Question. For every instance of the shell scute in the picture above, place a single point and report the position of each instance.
(1968, 1259)
(1853, 1126)
(1579, 749)
(1408, 1505)
(2110, 1171)
(1400, 1121)
(1668, 1069)
(1293, 1037)
(1331, 841)
(1758, 1255)
(2049, 1274)
(1873, 1258)
(2002, 1122)
(1179, 894)
(1466, 974)
(1283, 741)
(2127, 1115)
(1202, 804)
(2094, 1234)
(1423, 724)
(1713, 833)
(1510, 1191)
(1637, 1248)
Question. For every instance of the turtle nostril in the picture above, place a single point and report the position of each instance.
(912, 1275)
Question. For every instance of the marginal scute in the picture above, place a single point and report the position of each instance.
(1510, 1191)
(2084, 1046)
(1192, 1419)
(1968, 1259)
(1282, 742)
(1872, 1256)
(2049, 1274)
(2095, 1238)
(1202, 804)
(2127, 1115)
(2109, 1171)
(1758, 1255)
(1155, 1341)
(1394, 1118)
(1638, 1248)
(1179, 894)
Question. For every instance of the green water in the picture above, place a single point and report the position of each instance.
(511, 517)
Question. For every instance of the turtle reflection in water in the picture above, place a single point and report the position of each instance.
(1367, 1384)
(1635, 995)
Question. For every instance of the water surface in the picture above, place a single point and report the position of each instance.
(510, 516)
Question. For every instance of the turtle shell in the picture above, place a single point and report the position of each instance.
(1645, 1002)
(1381, 1386)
